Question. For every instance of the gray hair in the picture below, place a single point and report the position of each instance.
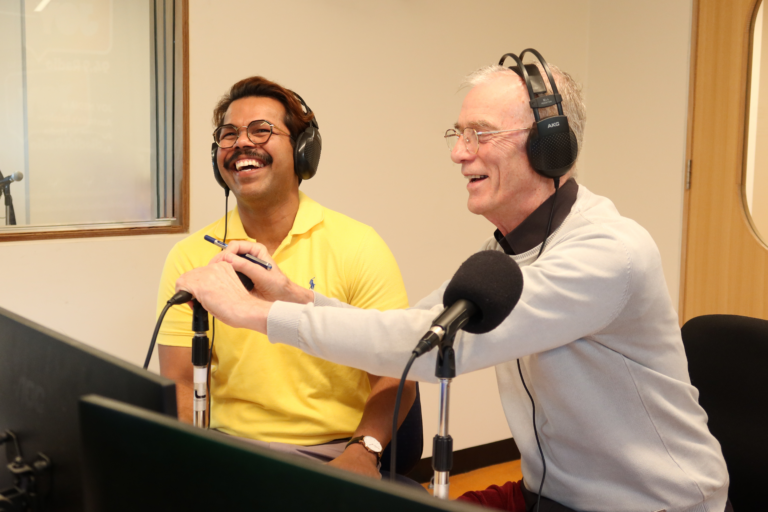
(569, 89)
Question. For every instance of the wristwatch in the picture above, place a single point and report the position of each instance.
(369, 443)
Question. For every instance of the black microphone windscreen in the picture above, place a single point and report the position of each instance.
(493, 282)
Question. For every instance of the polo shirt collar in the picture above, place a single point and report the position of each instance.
(309, 215)
(530, 232)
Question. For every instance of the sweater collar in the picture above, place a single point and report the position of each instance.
(530, 232)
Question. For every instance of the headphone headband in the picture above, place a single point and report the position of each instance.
(313, 121)
(552, 146)
(521, 71)
(557, 98)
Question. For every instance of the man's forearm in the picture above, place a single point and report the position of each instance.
(380, 407)
(184, 402)
(176, 364)
(376, 422)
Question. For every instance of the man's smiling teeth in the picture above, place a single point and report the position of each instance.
(473, 177)
(248, 163)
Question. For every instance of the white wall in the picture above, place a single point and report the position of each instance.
(382, 78)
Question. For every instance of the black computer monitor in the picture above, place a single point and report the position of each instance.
(42, 376)
(161, 465)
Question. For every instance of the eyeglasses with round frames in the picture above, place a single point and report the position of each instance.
(471, 137)
(258, 132)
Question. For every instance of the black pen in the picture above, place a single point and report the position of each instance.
(249, 257)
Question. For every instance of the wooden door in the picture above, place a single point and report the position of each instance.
(725, 264)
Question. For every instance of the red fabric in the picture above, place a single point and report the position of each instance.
(508, 497)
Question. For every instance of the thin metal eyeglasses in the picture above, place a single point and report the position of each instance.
(258, 132)
(471, 137)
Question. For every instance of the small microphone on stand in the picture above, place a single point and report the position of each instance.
(17, 176)
(5, 187)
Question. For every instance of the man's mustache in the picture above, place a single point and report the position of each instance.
(250, 153)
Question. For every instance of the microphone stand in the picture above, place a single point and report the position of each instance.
(10, 213)
(442, 443)
(200, 364)
(200, 351)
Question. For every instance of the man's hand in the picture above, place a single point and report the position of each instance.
(357, 460)
(219, 290)
(270, 285)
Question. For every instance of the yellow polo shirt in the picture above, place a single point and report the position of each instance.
(277, 393)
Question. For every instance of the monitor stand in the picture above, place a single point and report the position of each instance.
(31, 482)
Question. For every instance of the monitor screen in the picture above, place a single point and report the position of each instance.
(42, 376)
(162, 465)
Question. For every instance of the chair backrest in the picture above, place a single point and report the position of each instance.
(728, 363)
(410, 440)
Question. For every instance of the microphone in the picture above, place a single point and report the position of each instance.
(482, 293)
(17, 176)
(200, 350)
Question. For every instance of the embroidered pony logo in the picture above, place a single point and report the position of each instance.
(312, 284)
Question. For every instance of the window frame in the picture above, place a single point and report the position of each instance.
(178, 223)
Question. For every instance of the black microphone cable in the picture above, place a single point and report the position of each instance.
(178, 298)
(398, 397)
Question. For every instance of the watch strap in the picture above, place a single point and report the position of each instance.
(360, 440)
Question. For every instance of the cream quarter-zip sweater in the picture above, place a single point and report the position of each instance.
(600, 349)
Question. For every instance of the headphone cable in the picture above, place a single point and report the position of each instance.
(520, 371)
(536, 433)
(551, 215)
(213, 319)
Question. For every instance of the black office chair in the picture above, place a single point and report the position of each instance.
(410, 440)
(728, 363)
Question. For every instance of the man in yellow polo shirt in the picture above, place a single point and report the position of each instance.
(266, 142)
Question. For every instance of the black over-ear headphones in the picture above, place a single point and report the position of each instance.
(552, 145)
(306, 151)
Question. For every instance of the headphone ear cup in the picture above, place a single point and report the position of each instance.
(552, 147)
(306, 155)
(216, 173)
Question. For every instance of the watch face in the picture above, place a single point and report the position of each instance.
(372, 444)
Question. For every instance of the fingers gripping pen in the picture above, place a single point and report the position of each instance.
(249, 257)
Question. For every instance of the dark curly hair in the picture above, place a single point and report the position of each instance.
(295, 118)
